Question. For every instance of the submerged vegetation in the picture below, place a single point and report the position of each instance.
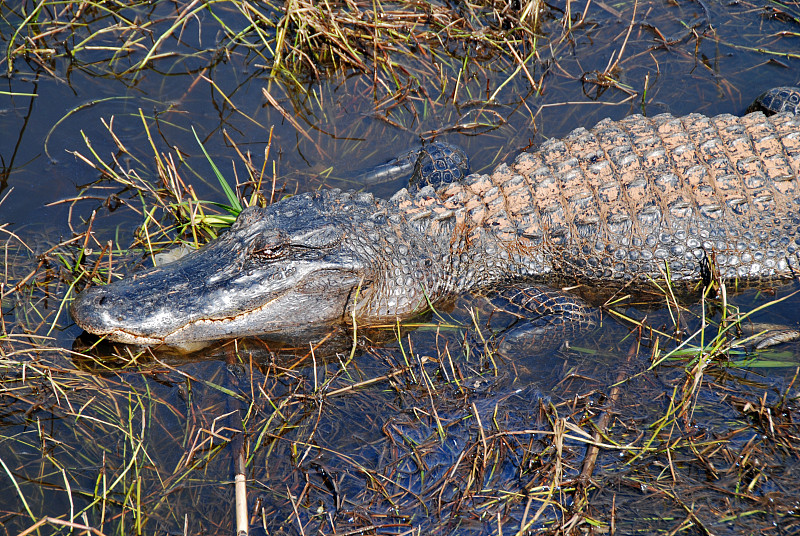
(665, 420)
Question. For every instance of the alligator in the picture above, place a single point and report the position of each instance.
(624, 202)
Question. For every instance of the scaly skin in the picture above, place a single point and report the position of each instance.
(630, 199)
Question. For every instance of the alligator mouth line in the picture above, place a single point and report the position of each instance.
(127, 337)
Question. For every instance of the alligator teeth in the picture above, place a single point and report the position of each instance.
(214, 321)
(444, 215)
(380, 214)
(420, 215)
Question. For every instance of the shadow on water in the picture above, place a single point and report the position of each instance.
(642, 424)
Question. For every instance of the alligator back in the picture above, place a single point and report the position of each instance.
(641, 197)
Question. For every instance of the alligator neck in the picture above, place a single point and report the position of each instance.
(464, 231)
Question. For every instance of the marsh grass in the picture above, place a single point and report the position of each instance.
(662, 424)
(156, 431)
(171, 212)
(293, 38)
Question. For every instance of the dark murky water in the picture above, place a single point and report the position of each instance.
(161, 435)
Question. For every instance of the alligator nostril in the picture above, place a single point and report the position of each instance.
(102, 300)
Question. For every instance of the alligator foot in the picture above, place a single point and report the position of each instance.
(546, 318)
(434, 164)
(777, 100)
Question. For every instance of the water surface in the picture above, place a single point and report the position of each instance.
(445, 435)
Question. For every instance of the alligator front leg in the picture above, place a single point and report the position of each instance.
(543, 318)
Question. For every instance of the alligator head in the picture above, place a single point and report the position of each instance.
(300, 262)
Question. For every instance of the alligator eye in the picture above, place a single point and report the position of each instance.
(270, 254)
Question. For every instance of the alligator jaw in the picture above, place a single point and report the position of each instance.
(119, 335)
(91, 317)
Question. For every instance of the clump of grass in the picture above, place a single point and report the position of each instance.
(295, 36)
(171, 212)
(363, 35)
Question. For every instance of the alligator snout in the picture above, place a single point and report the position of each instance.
(92, 309)
(130, 312)
(94, 298)
(99, 311)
